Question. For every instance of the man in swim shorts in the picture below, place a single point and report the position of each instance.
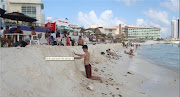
(87, 66)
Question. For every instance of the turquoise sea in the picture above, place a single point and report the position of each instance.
(166, 55)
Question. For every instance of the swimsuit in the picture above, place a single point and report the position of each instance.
(88, 71)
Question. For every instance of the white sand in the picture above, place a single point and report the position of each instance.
(25, 73)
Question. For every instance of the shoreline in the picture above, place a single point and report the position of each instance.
(159, 79)
(161, 65)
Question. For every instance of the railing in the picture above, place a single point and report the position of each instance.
(28, 28)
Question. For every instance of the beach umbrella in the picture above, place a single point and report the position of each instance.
(18, 17)
(2, 11)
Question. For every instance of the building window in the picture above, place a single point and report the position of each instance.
(2, 0)
(3, 7)
(29, 10)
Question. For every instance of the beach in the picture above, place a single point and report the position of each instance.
(25, 73)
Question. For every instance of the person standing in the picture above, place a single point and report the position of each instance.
(80, 41)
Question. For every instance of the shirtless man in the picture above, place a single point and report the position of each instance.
(87, 66)
(80, 41)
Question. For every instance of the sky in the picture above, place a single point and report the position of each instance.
(110, 13)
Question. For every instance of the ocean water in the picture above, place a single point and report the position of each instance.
(166, 55)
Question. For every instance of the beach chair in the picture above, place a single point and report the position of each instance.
(34, 39)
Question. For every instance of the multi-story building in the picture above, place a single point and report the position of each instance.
(175, 31)
(32, 8)
(178, 29)
(3, 4)
(106, 30)
(140, 32)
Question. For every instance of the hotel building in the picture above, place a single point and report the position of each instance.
(142, 32)
(32, 8)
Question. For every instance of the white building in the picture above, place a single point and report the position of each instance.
(32, 8)
(175, 29)
(3, 4)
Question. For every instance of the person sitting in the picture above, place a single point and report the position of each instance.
(5, 40)
(112, 54)
(131, 51)
(32, 33)
(21, 43)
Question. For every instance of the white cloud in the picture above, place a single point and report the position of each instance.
(171, 4)
(157, 18)
(106, 19)
(128, 2)
(140, 22)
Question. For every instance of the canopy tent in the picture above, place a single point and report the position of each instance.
(97, 31)
(109, 35)
(65, 28)
(88, 31)
(18, 17)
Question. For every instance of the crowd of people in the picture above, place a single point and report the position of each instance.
(23, 40)
(62, 39)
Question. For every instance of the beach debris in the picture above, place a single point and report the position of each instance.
(142, 92)
(104, 94)
(97, 62)
(89, 87)
(113, 95)
(110, 79)
(112, 84)
(102, 70)
(117, 88)
(130, 73)
(124, 75)
(96, 70)
(120, 95)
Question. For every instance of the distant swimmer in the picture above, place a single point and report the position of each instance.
(136, 46)
(87, 66)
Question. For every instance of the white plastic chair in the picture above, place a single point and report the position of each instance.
(43, 40)
(34, 38)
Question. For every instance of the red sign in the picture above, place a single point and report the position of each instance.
(51, 26)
